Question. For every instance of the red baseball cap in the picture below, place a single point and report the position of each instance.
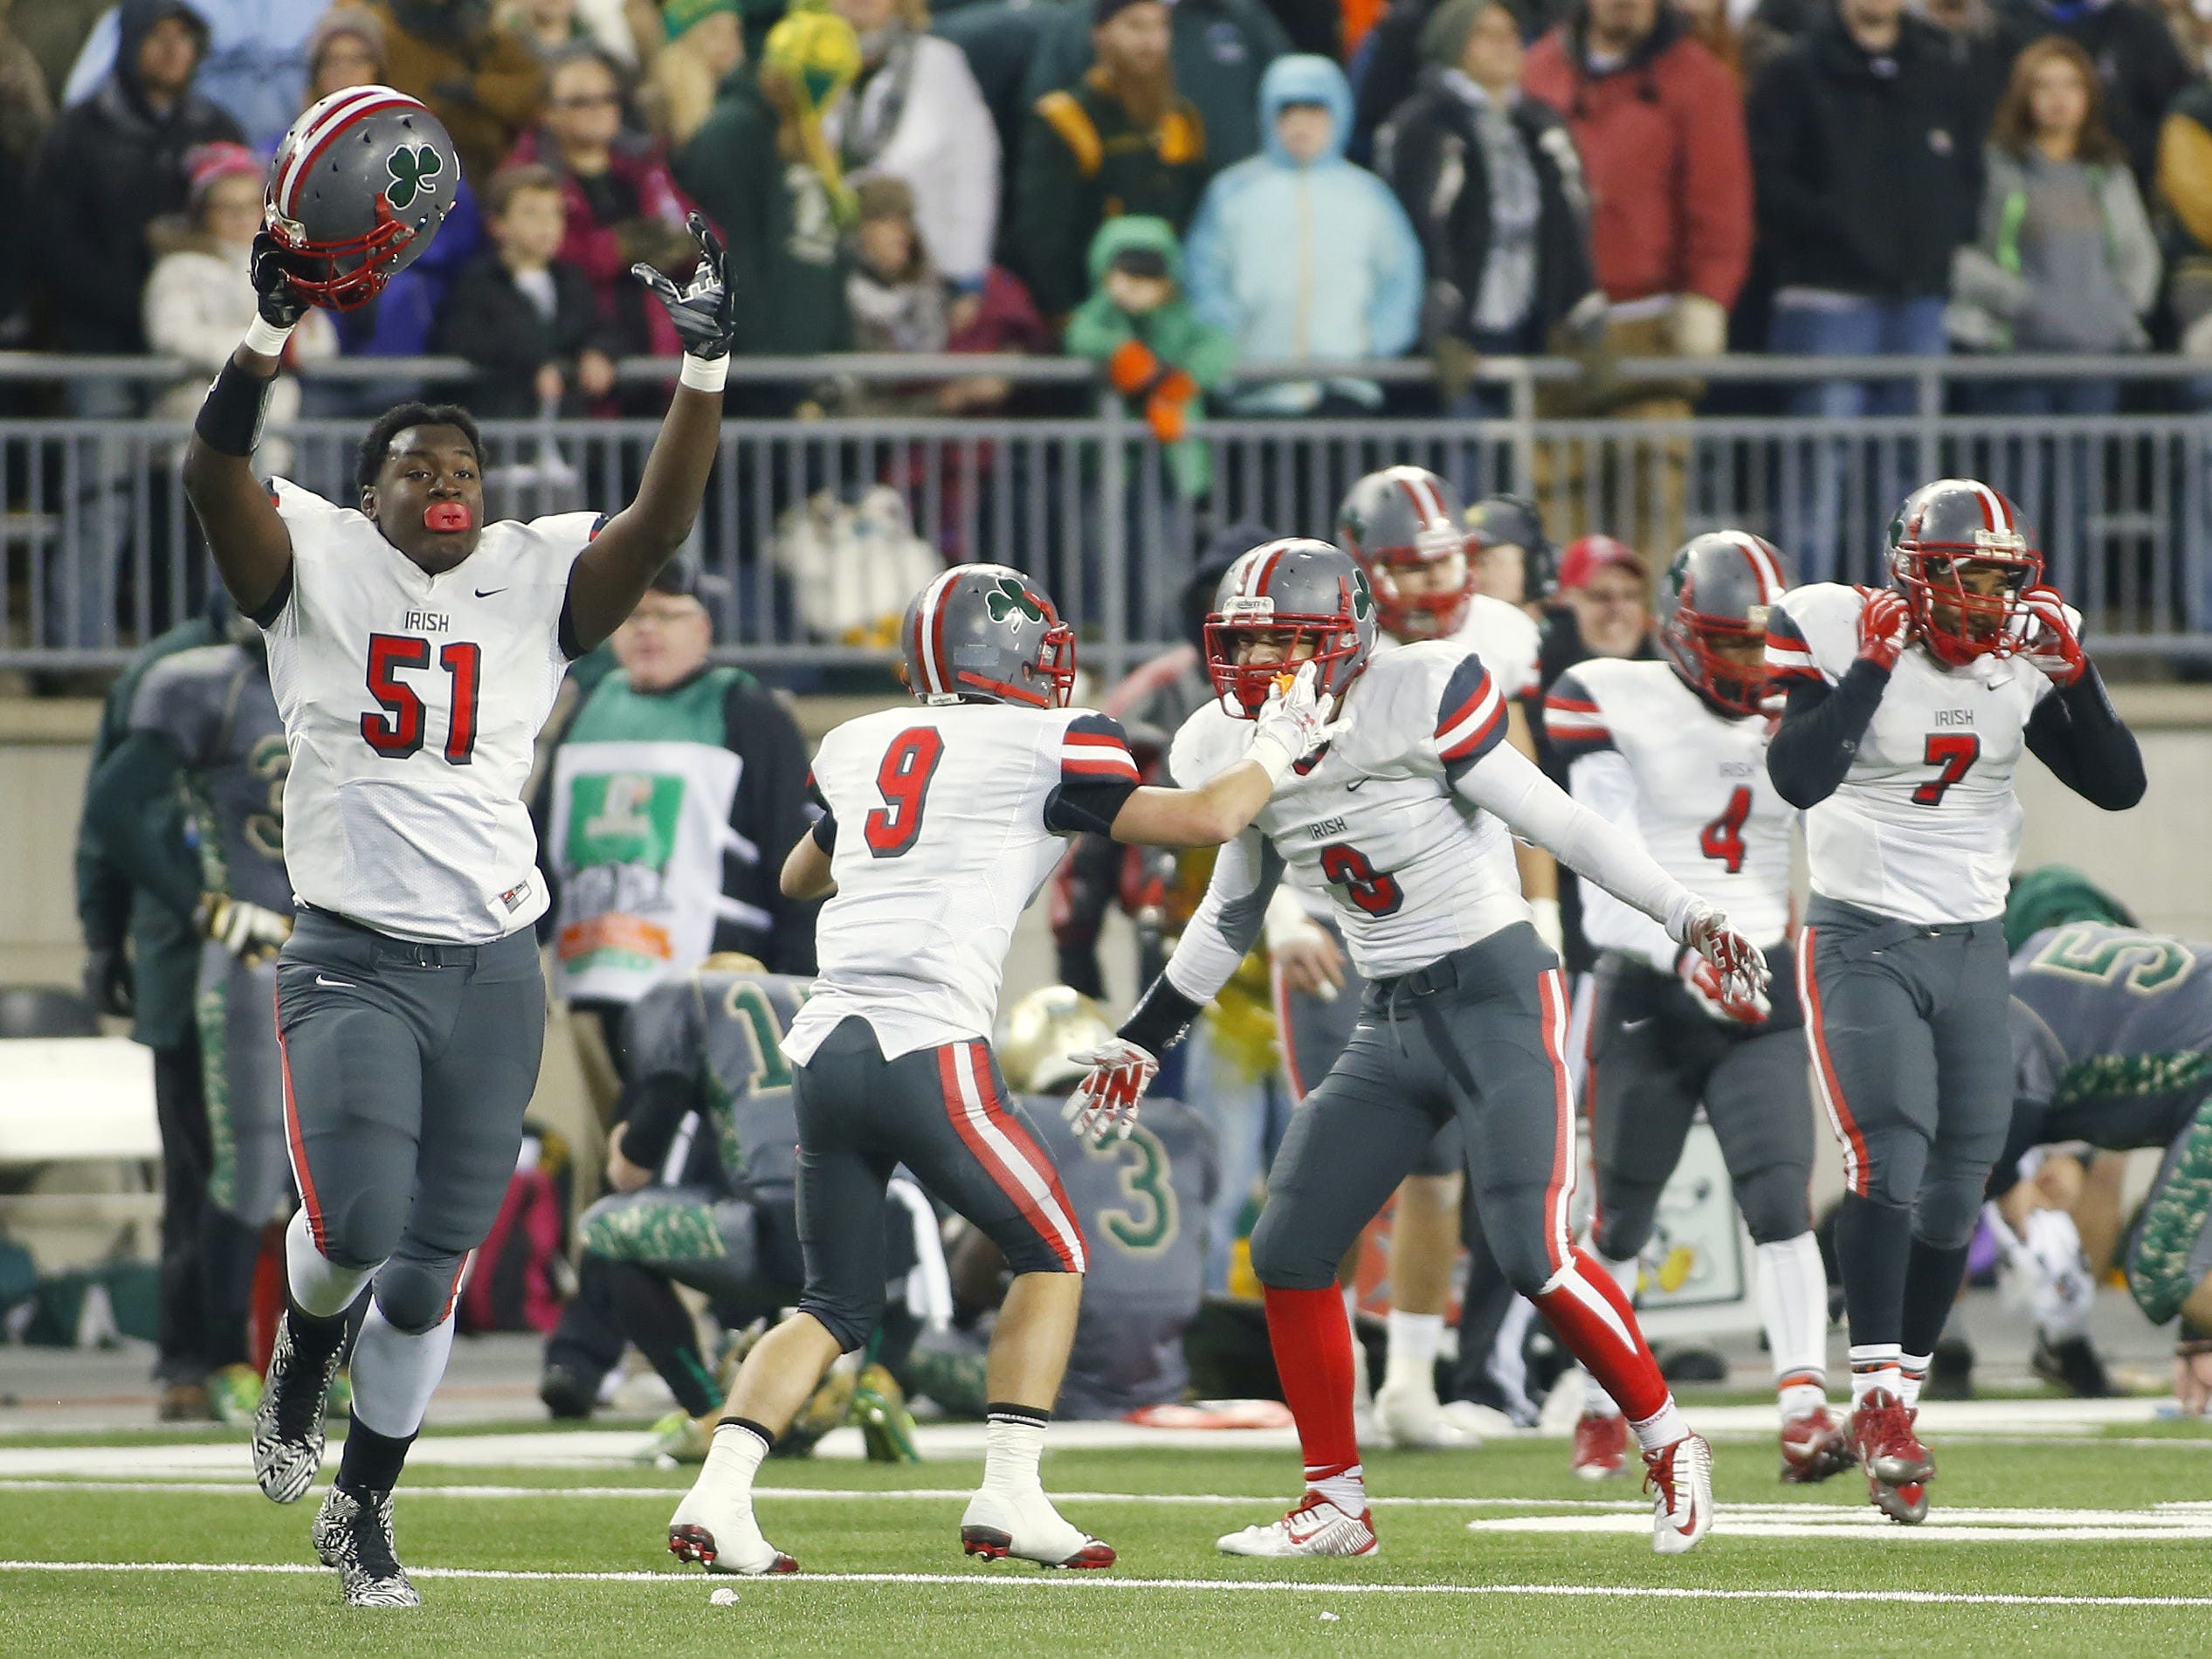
(1582, 558)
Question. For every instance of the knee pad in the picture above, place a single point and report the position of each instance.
(851, 1322)
(362, 1229)
(1775, 1204)
(1897, 1162)
(1625, 1209)
(1285, 1256)
(415, 1296)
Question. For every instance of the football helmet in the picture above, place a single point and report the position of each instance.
(1405, 518)
(360, 185)
(1316, 594)
(1513, 520)
(1950, 523)
(1043, 1032)
(1720, 586)
(984, 633)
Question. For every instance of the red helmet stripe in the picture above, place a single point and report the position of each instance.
(341, 104)
(1994, 506)
(929, 633)
(327, 132)
(1761, 557)
(1264, 569)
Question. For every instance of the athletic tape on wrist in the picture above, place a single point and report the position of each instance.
(266, 337)
(704, 374)
(1271, 755)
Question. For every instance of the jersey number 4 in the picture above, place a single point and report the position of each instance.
(903, 781)
(1368, 887)
(1723, 837)
(398, 732)
(1955, 752)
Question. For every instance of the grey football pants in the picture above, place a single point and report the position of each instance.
(407, 1069)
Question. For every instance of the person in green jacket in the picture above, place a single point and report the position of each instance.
(1156, 352)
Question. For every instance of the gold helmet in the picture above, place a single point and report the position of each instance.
(1041, 1031)
(733, 963)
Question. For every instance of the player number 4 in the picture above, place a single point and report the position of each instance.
(1955, 752)
(1723, 837)
(398, 732)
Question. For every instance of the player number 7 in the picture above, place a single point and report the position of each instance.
(1955, 752)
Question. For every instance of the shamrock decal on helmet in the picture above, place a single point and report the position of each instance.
(1362, 595)
(411, 167)
(1011, 597)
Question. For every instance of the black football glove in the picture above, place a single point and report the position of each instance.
(705, 310)
(107, 980)
(279, 302)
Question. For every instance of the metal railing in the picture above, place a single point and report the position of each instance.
(817, 528)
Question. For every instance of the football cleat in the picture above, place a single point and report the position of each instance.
(716, 1529)
(1907, 1504)
(234, 1394)
(679, 1438)
(353, 1532)
(1478, 1422)
(569, 1395)
(1410, 1418)
(2073, 1365)
(1680, 1478)
(1002, 1526)
(886, 1426)
(1315, 1527)
(1888, 1450)
(1814, 1446)
(1600, 1446)
(184, 1402)
(288, 1424)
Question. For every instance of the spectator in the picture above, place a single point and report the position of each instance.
(2142, 69)
(200, 297)
(651, 879)
(546, 27)
(254, 63)
(916, 113)
(111, 166)
(2066, 261)
(704, 45)
(622, 204)
(527, 317)
(1972, 26)
(1494, 189)
(345, 50)
(56, 31)
(1867, 185)
(1156, 352)
(761, 169)
(482, 82)
(1302, 256)
(1660, 128)
(1219, 51)
(1122, 141)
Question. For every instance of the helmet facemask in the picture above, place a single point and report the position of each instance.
(1735, 686)
(1331, 643)
(1966, 602)
(1438, 561)
(341, 276)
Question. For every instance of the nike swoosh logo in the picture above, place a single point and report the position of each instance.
(1634, 1025)
(336, 985)
(1353, 786)
(486, 593)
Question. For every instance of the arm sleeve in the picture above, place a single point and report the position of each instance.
(1224, 928)
(663, 1036)
(1098, 775)
(2079, 735)
(651, 1108)
(1820, 732)
(1603, 782)
(1507, 785)
(144, 768)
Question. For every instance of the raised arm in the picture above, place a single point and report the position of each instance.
(1821, 727)
(1292, 724)
(2076, 731)
(611, 574)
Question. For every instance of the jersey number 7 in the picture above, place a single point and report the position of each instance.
(1955, 752)
(398, 732)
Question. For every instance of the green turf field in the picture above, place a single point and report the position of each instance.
(2087, 1532)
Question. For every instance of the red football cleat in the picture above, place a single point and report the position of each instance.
(1898, 1466)
(1814, 1446)
(1600, 1446)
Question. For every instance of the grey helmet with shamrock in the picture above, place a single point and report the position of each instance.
(359, 186)
(1311, 596)
(985, 633)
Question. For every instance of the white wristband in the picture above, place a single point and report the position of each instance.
(1271, 755)
(266, 337)
(704, 374)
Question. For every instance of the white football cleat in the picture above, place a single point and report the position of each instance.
(1412, 1419)
(1680, 1478)
(716, 1529)
(1315, 1527)
(1002, 1526)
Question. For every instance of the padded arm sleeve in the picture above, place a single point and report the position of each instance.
(1820, 732)
(2078, 734)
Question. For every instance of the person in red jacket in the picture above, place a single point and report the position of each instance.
(1659, 122)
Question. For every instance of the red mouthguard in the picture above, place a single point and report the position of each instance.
(446, 515)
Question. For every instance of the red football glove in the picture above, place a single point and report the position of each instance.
(1884, 625)
(2052, 645)
(1725, 999)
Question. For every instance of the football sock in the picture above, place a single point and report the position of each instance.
(313, 1340)
(655, 1319)
(1792, 1292)
(1873, 1251)
(1932, 1278)
(733, 1457)
(371, 1462)
(320, 1287)
(1595, 1401)
(1874, 1365)
(1585, 1306)
(396, 1371)
(1663, 1428)
(1415, 1339)
(1911, 1372)
(1013, 1443)
(1312, 1345)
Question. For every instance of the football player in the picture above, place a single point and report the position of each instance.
(1463, 1015)
(1403, 525)
(1675, 753)
(1908, 708)
(940, 823)
(204, 729)
(415, 651)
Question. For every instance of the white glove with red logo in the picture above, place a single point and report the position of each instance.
(1714, 998)
(1293, 723)
(1884, 626)
(1104, 1104)
(2052, 645)
(1739, 967)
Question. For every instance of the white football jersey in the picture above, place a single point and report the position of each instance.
(948, 820)
(1925, 825)
(411, 705)
(1414, 871)
(1646, 750)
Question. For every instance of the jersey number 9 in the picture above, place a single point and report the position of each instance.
(903, 781)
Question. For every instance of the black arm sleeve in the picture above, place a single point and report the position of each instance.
(1821, 731)
(140, 772)
(1161, 1017)
(650, 1110)
(2077, 733)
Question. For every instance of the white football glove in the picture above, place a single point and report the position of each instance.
(1294, 721)
(1740, 966)
(1714, 998)
(253, 933)
(1104, 1104)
